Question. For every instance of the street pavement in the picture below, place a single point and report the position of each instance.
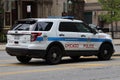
(2, 46)
(115, 41)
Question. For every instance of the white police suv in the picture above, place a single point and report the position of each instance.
(52, 39)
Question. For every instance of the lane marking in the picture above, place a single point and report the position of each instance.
(7, 60)
(60, 67)
(7, 65)
(89, 65)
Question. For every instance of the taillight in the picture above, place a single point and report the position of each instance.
(34, 36)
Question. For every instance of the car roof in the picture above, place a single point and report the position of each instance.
(52, 19)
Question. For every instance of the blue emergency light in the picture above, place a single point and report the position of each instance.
(68, 17)
(61, 17)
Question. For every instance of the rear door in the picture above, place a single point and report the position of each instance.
(68, 35)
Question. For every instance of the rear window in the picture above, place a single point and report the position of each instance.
(22, 27)
(43, 26)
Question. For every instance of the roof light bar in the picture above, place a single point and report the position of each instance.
(61, 17)
(68, 17)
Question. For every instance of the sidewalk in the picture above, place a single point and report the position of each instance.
(2, 46)
(115, 41)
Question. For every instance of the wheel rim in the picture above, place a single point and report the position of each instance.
(105, 52)
(54, 56)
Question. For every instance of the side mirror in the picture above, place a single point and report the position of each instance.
(93, 31)
(100, 31)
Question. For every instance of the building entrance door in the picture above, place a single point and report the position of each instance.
(29, 9)
(88, 17)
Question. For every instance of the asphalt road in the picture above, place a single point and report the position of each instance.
(89, 68)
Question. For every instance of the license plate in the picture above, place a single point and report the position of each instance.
(16, 37)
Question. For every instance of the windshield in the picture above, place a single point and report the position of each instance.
(97, 28)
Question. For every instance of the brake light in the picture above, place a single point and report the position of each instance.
(34, 36)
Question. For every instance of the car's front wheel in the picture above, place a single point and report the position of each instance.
(23, 59)
(105, 52)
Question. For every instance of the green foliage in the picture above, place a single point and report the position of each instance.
(113, 8)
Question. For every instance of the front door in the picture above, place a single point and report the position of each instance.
(77, 36)
(68, 34)
(88, 39)
(88, 17)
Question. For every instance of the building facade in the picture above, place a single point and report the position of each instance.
(93, 10)
(20, 9)
(86, 10)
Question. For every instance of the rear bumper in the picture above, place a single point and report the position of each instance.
(26, 52)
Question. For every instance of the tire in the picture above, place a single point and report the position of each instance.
(75, 57)
(23, 59)
(105, 52)
(54, 55)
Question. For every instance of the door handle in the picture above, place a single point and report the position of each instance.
(61, 35)
(83, 36)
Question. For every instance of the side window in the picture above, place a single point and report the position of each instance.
(82, 27)
(43, 26)
(68, 27)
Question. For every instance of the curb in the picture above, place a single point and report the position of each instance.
(116, 54)
(117, 44)
(2, 49)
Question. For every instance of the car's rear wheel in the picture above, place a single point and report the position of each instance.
(54, 55)
(23, 59)
(105, 52)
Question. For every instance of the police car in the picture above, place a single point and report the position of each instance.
(52, 39)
